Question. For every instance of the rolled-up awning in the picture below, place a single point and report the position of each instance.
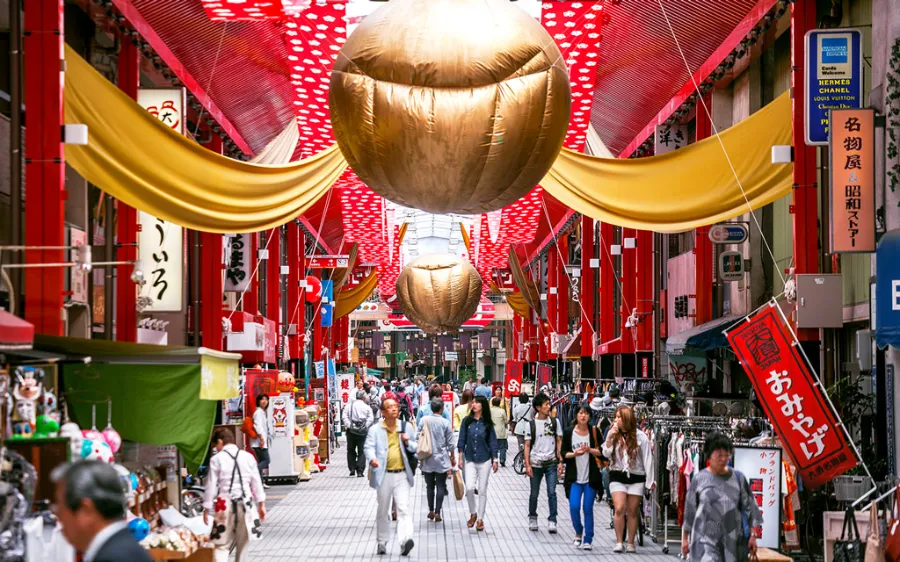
(704, 337)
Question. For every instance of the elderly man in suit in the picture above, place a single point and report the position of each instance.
(90, 505)
(390, 473)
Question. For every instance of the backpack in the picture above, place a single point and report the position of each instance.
(553, 423)
(247, 427)
(405, 405)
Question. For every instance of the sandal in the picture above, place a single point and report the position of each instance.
(471, 522)
(480, 525)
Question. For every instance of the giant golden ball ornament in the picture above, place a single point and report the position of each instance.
(439, 292)
(450, 106)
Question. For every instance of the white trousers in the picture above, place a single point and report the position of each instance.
(394, 487)
(477, 476)
(238, 536)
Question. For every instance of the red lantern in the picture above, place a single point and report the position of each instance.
(285, 382)
(313, 289)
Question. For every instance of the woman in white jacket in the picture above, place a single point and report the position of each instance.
(260, 444)
(630, 473)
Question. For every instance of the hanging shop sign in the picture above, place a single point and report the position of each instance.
(513, 380)
(731, 266)
(730, 233)
(332, 380)
(668, 138)
(328, 262)
(166, 104)
(451, 356)
(327, 310)
(237, 263)
(161, 252)
(543, 375)
(791, 397)
(887, 291)
(833, 80)
(852, 155)
(762, 468)
(256, 382)
(78, 277)
(346, 389)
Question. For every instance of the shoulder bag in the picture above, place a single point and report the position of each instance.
(874, 546)
(426, 448)
(357, 427)
(850, 548)
(892, 542)
(411, 459)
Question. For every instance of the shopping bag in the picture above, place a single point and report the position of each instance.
(425, 448)
(850, 548)
(874, 547)
(892, 542)
(459, 485)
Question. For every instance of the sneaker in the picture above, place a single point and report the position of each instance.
(352, 473)
(406, 547)
(532, 524)
(619, 548)
(577, 542)
(630, 549)
(382, 549)
(266, 486)
(552, 527)
(586, 546)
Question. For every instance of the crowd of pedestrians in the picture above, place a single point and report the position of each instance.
(402, 426)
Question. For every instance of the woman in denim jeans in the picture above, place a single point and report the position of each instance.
(477, 456)
(581, 448)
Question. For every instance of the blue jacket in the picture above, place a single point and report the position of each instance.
(376, 447)
(477, 443)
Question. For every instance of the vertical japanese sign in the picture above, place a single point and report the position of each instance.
(668, 138)
(513, 382)
(762, 468)
(833, 80)
(327, 310)
(346, 389)
(160, 245)
(161, 251)
(793, 402)
(78, 278)
(237, 263)
(852, 155)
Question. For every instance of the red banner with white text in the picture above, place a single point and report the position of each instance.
(513, 381)
(787, 390)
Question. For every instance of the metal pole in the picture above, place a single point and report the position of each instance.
(195, 287)
(15, 137)
(109, 272)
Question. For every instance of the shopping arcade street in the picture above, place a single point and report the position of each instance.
(332, 517)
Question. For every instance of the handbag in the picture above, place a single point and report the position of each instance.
(248, 428)
(892, 542)
(874, 548)
(459, 485)
(357, 427)
(850, 548)
(425, 447)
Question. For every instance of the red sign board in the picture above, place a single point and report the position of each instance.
(513, 381)
(256, 382)
(328, 262)
(795, 405)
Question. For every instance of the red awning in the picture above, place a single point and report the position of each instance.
(15, 333)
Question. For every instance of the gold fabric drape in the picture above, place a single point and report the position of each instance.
(516, 302)
(349, 299)
(135, 158)
(529, 291)
(683, 189)
(342, 275)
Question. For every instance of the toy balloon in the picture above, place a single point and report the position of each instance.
(285, 381)
(139, 528)
(92, 435)
(97, 450)
(113, 439)
(313, 289)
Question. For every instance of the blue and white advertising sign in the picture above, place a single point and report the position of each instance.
(887, 290)
(320, 369)
(327, 310)
(834, 78)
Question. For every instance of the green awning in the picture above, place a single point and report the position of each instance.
(161, 395)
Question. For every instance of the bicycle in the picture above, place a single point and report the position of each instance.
(519, 463)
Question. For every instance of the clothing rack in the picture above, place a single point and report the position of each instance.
(877, 500)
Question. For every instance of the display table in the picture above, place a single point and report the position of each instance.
(199, 555)
(769, 555)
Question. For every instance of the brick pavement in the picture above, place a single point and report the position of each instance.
(332, 517)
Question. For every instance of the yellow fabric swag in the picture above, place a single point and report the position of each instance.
(135, 158)
(683, 189)
(349, 299)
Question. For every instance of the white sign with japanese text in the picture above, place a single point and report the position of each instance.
(166, 104)
(237, 263)
(668, 138)
(762, 468)
(161, 251)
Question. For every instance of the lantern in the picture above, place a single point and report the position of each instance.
(439, 291)
(313, 289)
(450, 106)
(285, 382)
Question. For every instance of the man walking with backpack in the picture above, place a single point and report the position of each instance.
(406, 409)
(357, 419)
(543, 461)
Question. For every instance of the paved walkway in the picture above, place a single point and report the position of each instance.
(332, 517)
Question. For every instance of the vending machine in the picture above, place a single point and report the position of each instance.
(281, 447)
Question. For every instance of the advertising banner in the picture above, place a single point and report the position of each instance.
(543, 375)
(762, 468)
(327, 310)
(328, 262)
(346, 389)
(887, 291)
(852, 155)
(834, 78)
(513, 381)
(791, 398)
(258, 382)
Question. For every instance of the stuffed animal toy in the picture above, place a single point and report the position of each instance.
(97, 450)
(27, 389)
